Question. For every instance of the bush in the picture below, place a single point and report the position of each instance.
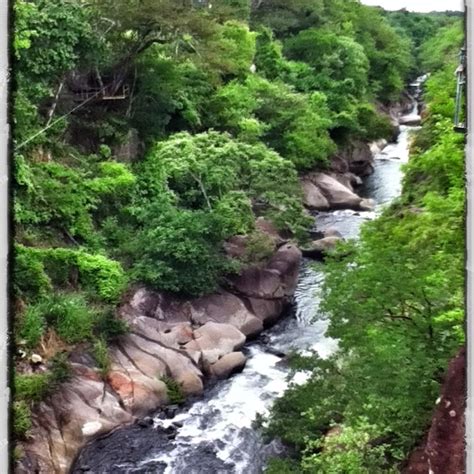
(29, 277)
(31, 326)
(70, 315)
(101, 356)
(21, 419)
(60, 368)
(174, 390)
(32, 387)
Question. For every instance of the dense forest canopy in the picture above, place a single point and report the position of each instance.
(147, 133)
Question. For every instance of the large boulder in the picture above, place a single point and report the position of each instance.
(224, 307)
(338, 195)
(228, 365)
(411, 120)
(276, 279)
(214, 340)
(320, 248)
(313, 198)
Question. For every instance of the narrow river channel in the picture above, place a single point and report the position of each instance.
(214, 435)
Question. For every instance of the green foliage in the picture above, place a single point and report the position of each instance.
(174, 390)
(396, 307)
(60, 370)
(196, 191)
(295, 125)
(21, 419)
(32, 387)
(31, 327)
(101, 356)
(69, 314)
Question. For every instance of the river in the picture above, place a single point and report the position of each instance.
(214, 435)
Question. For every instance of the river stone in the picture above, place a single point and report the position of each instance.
(269, 311)
(338, 195)
(318, 248)
(410, 120)
(215, 340)
(367, 205)
(268, 228)
(331, 232)
(276, 279)
(313, 198)
(228, 364)
(235, 247)
(225, 307)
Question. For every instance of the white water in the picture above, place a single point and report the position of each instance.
(217, 436)
(221, 424)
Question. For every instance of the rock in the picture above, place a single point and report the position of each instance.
(235, 247)
(268, 228)
(332, 232)
(269, 311)
(338, 195)
(367, 205)
(319, 248)
(313, 198)
(361, 160)
(36, 359)
(227, 308)
(443, 449)
(410, 120)
(378, 145)
(215, 340)
(277, 279)
(228, 365)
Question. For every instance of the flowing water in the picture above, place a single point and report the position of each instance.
(215, 435)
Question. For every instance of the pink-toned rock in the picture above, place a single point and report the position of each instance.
(215, 340)
(277, 279)
(267, 310)
(228, 365)
(313, 198)
(225, 307)
(338, 195)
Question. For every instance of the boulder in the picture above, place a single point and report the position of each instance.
(367, 205)
(235, 247)
(321, 247)
(313, 198)
(268, 228)
(338, 195)
(410, 120)
(267, 310)
(332, 232)
(276, 279)
(215, 340)
(224, 307)
(228, 364)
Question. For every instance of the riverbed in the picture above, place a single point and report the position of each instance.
(216, 434)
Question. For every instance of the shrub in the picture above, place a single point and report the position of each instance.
(29, 277)
(70, 315)
(31, 326)
(21, 418)
(32, 387)
(60, 368)
(101, 356)
(174, 390)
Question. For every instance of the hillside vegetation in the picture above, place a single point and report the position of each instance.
(396, 306)
(148, 132)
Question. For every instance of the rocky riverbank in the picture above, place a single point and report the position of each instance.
(186, 340)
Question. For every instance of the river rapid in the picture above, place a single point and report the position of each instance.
(214, 434)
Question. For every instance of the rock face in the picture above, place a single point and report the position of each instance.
(319, 248)
(313, 197)
(443, 450)
(186, 339)
(337, 194)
